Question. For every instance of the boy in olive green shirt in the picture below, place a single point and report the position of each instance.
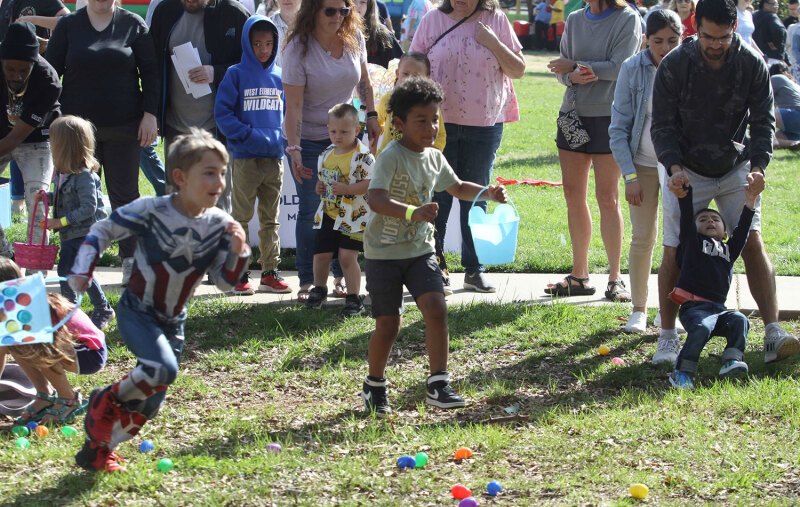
(398, 241)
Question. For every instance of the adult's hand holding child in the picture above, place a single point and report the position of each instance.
(679, 183)
(755, 185)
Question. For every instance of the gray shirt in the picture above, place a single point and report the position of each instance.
(327, 80)
(786, 91)
(184, 110)
(602, 44)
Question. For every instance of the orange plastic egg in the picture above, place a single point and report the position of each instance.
(463, 453)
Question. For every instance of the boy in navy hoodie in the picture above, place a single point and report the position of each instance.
(249, 110)
(706, 262)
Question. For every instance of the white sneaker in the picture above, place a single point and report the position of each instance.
(779, 344)
(678, 325)
(667, 350)
(637, 323)
(127, 270)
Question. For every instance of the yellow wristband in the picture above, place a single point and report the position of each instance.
(64, 221)
(631, 177)
(410, 211)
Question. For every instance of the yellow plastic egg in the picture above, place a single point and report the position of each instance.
(639, 490)
(603, 350)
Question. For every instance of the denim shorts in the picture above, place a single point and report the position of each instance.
(385, 280)
(90, 361)
(791, 123)
(727, 192)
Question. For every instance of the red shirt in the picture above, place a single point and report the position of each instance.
(688, 26)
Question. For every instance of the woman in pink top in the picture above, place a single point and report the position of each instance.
(474, 55)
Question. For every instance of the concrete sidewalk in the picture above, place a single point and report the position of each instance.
(511, 287)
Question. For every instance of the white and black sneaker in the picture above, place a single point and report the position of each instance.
(440, 394)
(373, 394)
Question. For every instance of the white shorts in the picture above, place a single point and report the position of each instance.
(727, 192)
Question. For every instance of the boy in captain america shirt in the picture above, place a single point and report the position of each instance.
(180, 238)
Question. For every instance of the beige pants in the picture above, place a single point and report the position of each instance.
(259, 178)
(644, 225)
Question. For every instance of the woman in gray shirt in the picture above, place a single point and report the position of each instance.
(596, 41)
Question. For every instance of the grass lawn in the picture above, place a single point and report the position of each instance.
(528, 151)
(548, 417)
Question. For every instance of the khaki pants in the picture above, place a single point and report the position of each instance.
(259, 178)
(644, 226)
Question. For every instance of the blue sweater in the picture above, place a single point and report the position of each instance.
(707, 263)
(249, 106)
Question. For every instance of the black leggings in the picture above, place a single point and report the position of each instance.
(118, 152)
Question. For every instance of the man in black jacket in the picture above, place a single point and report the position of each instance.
(770, 34)
(214, 28)
(706, 93)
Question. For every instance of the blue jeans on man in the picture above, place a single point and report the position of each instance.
(702, 320)
(470, 151)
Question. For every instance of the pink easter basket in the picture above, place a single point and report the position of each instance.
(30, 256)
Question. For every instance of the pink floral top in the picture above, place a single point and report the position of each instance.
(477, 93)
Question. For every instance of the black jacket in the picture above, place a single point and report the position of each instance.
(770, 30)
(700, 115)
(222, 26)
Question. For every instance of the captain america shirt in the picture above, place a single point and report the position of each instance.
(173, 252)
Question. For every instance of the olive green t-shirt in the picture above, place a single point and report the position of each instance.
(410, 178)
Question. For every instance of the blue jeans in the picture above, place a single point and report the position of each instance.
(66, 258)
(305, 234)
(157, 344)
(17, 183)
(470, 151)
(153, 168)
(703, 320)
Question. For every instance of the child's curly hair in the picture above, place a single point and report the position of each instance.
(61, 350)
(414, 91)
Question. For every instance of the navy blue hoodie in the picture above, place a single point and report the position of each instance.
(249, 106)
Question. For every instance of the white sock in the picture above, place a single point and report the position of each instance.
(668, 334)
(775, 326)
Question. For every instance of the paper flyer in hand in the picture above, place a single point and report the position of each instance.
(185, 58)
(329, 176)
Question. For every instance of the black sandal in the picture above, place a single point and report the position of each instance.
(617, 292)
(565, 287)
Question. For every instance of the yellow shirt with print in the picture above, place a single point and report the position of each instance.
(558, 15)
(391, 133)
(341, 163)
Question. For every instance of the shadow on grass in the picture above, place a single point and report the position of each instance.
(70, 487)
(535, 161)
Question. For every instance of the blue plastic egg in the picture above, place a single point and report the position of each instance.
(146, 446)
(494, 488)
(406, 462)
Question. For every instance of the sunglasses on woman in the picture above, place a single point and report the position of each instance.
(332, 11)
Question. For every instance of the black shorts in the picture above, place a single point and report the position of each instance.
(597, 126)
(385, 280)
(330, 241)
